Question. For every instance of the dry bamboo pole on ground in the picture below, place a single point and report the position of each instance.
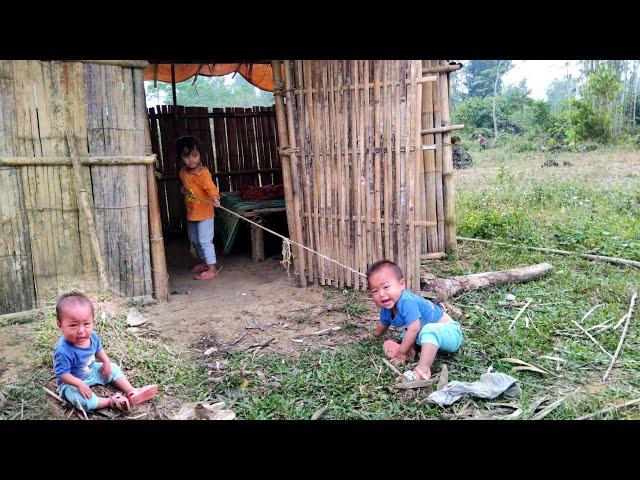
(81, 193)
(291, 204)
(622, 337)
(595, 258)
(450, 244)
(378, 125)
(304, 171)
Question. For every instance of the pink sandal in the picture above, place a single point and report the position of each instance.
(200, 267)
(120, 402)
(390, 348)
(143, 394)
(206, 275)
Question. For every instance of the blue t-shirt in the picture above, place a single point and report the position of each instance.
(69, 358)
(410, 307)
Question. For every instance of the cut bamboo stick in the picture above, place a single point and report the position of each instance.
(81, 193)
(445, 129)
(345, 205)
(429, 164)
(292, 206)
(355, 174)
(367, 148)
(118, 63)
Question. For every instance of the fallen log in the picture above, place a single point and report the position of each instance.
(441, 288)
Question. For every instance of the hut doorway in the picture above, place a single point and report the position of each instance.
(241, 154)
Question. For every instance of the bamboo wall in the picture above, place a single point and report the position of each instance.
(45, 244)
(240, 145)
(363, 187)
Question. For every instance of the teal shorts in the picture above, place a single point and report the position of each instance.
(445, 336)
(73, 395)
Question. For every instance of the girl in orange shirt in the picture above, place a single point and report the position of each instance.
(201, 195)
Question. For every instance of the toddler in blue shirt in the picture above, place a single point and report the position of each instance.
(426, 325)
(75, 364)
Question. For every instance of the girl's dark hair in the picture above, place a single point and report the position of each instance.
(70, 299)
(382, 263)
(188, 143)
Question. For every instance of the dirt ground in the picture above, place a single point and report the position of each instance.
(250, 304)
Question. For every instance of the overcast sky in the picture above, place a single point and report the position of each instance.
(540, 73)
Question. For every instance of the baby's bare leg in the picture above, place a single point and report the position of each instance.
(427, 356)
(123, 385)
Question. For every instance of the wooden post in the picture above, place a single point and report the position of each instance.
(292, 207)
(257, 244)
(450, 244)
(81, 193)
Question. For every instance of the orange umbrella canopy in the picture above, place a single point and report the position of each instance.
(258, 74)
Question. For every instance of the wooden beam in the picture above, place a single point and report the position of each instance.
(442, 68)
(66, 161)
(447, 128)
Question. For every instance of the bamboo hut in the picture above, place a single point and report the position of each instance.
(362, 148)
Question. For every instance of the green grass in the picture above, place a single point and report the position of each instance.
(593, 207)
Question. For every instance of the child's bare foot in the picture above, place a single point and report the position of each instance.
(422, 373)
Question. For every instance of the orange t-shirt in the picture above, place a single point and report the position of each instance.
(202, 186)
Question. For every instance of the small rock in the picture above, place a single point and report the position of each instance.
(510, 297)
(135, 318)
(409, 375)
(211, 350)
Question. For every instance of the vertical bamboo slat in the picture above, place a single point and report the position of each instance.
(450, 244)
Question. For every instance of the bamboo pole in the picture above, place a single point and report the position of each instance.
(445, 129)
(442, 68)
(344, 186)
(378, 126)
(336, 80)
(323, 170)
(304, 171)
(315, 186)
(450, 244)
(294, 175)
(418, 206)
(366, 150)
(158, 258)
(333, 140)
(387, 154)
(81, 193)
(291, 204)
(117, 63)
(437, 119)
(66, 161)
(397, 163)
(355, 174)
(429, 165)
(594, 258)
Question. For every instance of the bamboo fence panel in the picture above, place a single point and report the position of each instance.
(50, 110)
(368, 189)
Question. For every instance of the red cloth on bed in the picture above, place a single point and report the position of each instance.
(267, 192)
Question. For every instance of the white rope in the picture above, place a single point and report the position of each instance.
(285, 260)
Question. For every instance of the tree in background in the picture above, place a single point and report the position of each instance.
(212, 92)
(480, 76)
